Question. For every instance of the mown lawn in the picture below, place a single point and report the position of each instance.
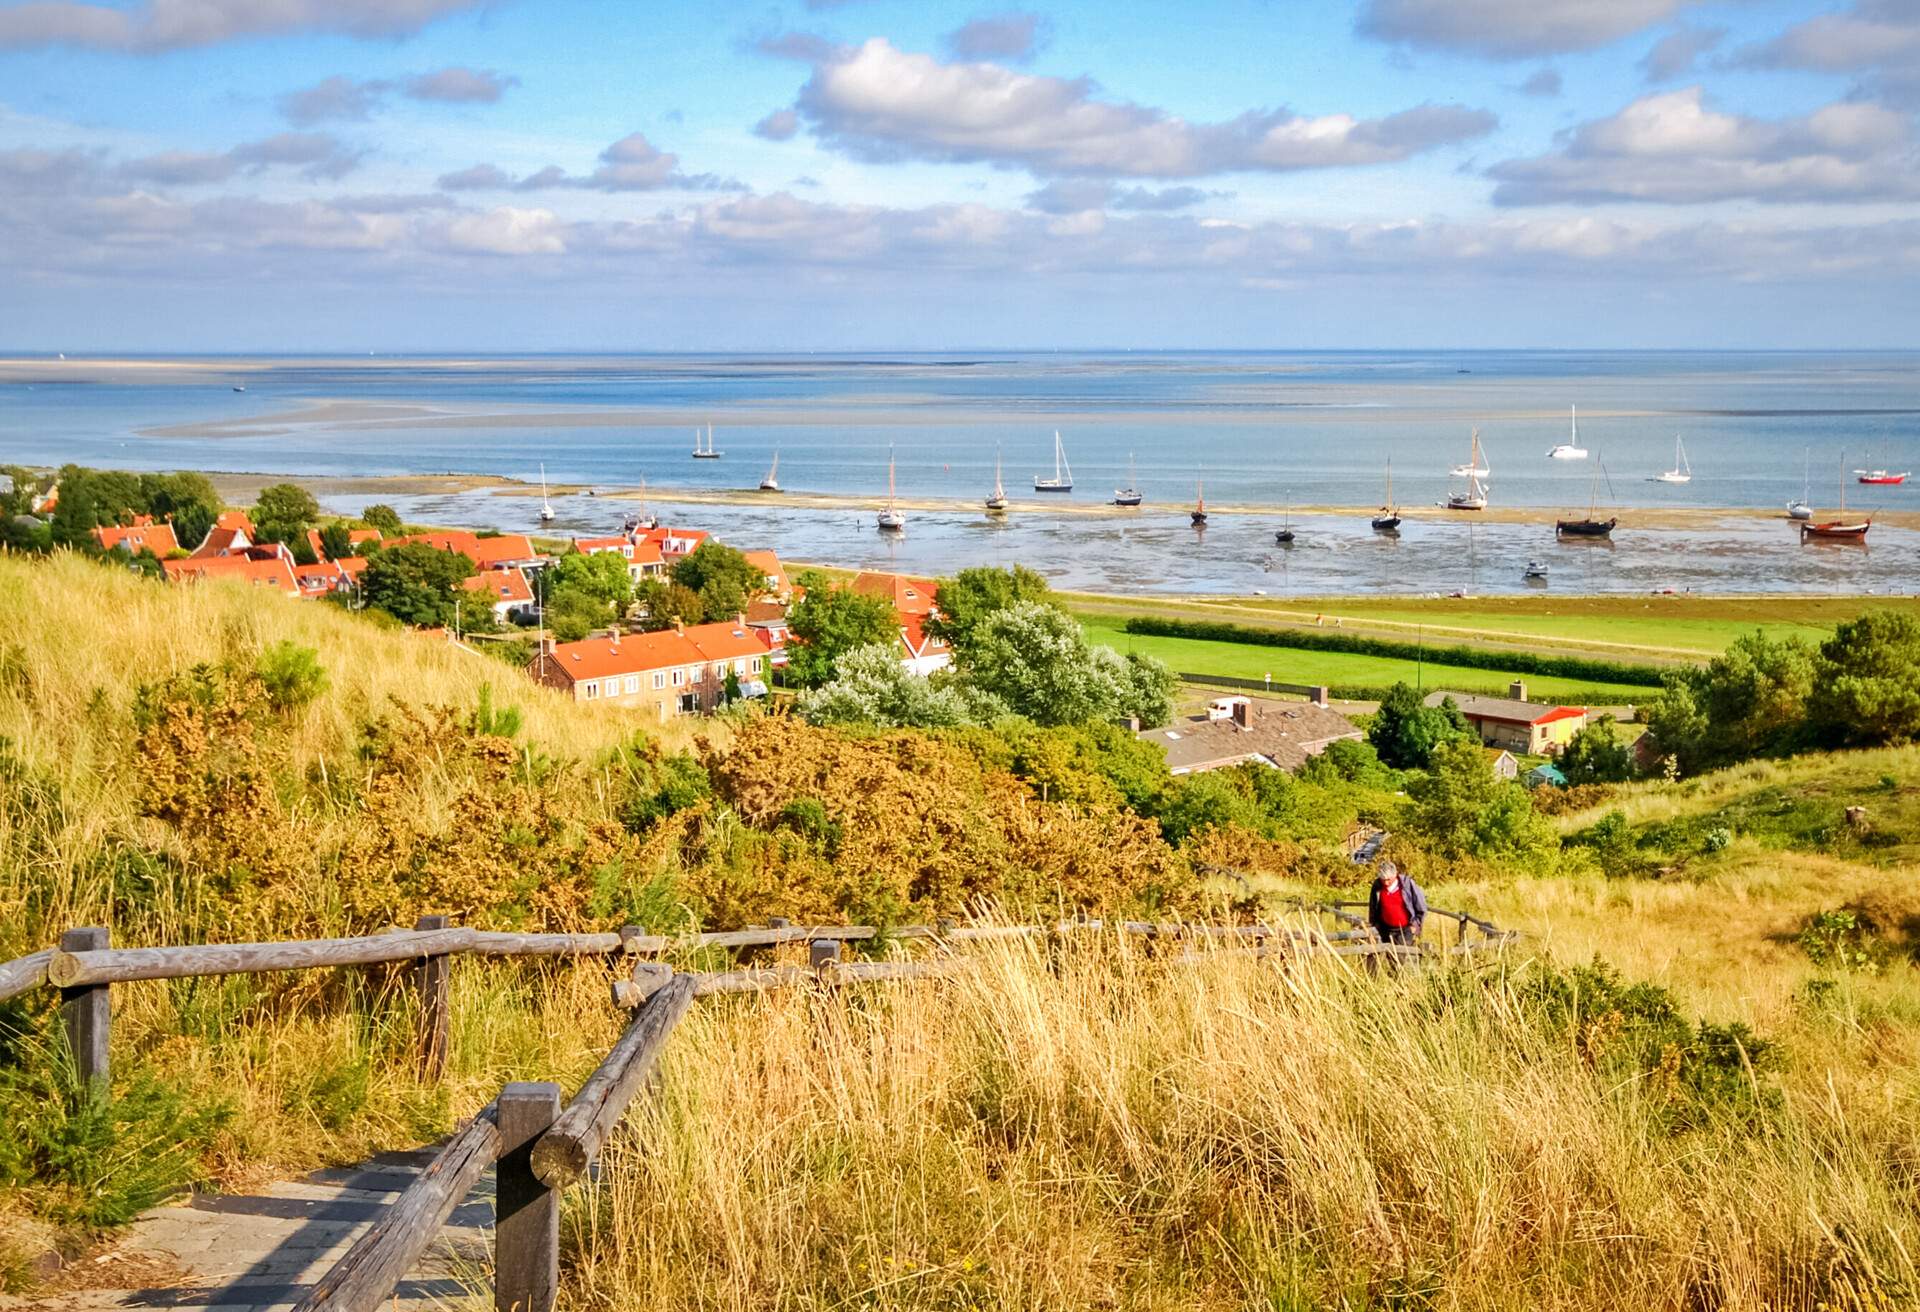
(1249, 661)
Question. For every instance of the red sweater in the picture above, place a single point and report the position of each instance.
(1393, 908)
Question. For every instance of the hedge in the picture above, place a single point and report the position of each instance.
(1474, 658)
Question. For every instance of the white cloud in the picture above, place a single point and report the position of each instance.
(154, 25)
(1673, 148)
(632, 163)
(882, 103)
(1511, 29)
(508, 231)
(1878, 41)
(1012, 36)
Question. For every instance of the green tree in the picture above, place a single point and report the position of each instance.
(283, 512)
(416, 584)
(601, 575)
(1751, 700)
(92, 498)
(662, 604)
(18, 488)
(1597, 755)
(723, 577)
(1037, 660)
(385, 518)
(336, 541)
(1405, 732)
(1868, 687)
(189, 500)
(291, 675)
(829, 622)
(1461, 809)
(870, 686)
(572, 613)
(969, 597)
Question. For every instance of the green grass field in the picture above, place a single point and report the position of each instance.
(1247, 661)
(1669, 627)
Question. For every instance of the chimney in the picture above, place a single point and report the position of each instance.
(1243, 712)
(1517, 690)
(740, 619)
(616, 637)
(680, 628)
(1320, 696)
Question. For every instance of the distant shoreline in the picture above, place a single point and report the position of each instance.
(243, 487)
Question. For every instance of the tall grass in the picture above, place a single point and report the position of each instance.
(1117, 1131)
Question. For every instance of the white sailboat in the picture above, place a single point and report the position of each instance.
(546, 506)
(1682, 472)
(890, 519)
(1062, 480)
(1571, 448)
(771, 483)
(640, 521)
(704, 452)
(1802, 509)
(997, 503)
(1475, 495)
(1130, 494)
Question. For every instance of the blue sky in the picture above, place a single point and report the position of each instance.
(446, 175)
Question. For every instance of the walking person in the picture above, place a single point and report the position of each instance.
(1396, 908)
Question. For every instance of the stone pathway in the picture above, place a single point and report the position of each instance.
(249, 1253)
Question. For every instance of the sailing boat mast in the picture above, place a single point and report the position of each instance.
(771, 483)
(890, 519)
(998, 501)
(546, 507)
(1199, 515)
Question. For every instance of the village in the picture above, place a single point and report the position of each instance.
(672, 669)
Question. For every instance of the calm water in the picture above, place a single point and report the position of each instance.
(1260, 430)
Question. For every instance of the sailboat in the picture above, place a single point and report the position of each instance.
(1284, 534)
(546, 506)
(640, 521)
(1062, 480)
(1475, 495)
(771, 483)
(1130, 494)
(890, 519)
(1199, 513)
(1838, 530)
(1388, 520)
(1592, 526)
(1571, 448)
(997, 503)
(1802, 509)
(1682, 472)
(704, 452)
(1882, 477)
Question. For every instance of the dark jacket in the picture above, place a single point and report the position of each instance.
(1415, 900)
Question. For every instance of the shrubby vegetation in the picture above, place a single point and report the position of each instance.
(1406, 732)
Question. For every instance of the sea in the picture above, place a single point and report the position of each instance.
(1266, 437)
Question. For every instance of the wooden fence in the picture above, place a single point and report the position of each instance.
(538, 1147)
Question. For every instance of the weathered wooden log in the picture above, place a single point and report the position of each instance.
(69, 969)
(432, 978)
(87, 1010)
(28, 972)
(749, 981)
(649, 977)
(861, 972)
(365, 1277)
(526, 1225)
(563, 1152)
(498, 943)
(751, 938)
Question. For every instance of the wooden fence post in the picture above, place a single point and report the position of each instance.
(823, 956)
(88, 1011)
(526, 1227)
(430, 978)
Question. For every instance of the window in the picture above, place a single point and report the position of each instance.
(633, 683)
(590, 689)
(699, 673)
(659, 678)
(679, 677)
(740, 667)
(756, 664)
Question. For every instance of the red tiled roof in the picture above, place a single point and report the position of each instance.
(235, 519)
(590, 545)
(355, 536)
(724, 641)
(768, 563)
(327, 576)
(273, 572)
(919, 642)
(633, 653)
(1561, 713)
(909, 596)
(222, 539)
(157, 538)
(508, 585)
(486, 553)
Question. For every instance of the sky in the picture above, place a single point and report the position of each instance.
(833, 175)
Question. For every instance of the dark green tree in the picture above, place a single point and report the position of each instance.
(1405, 731)
(1597, 755)
(385, 518)
(336, 540)
(829, 621)
(1751, 700)
(18, 488)
(92, 498)
(602, 576)
(187, 499)
(1461, 809)
(284, 512)
(416, 584)
(662, 604)
(1868, 688)
(723, 577)
(572, 613)
(970, 596)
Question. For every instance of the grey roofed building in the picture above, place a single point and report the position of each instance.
(1283, 735)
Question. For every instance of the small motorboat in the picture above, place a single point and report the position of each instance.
(1881, 477)
(1571, 448)
(238, 387)
(1536, 569)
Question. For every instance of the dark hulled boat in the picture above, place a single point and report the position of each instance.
(1584, 528)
